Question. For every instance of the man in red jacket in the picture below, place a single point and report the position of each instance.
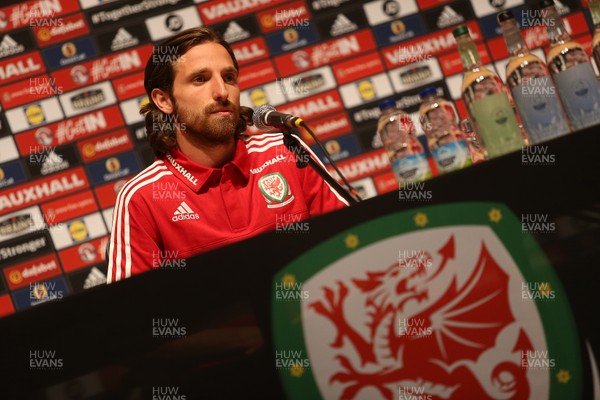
(210, 184)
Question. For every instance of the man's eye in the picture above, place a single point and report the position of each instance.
(199, 79)
(231, 78)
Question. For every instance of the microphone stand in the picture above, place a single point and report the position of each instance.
(303, 158)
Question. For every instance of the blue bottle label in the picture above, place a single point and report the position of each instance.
(580, 92)
(452, 156)
(412, 168)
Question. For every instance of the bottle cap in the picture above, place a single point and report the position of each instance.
(505, 16)
(428, 91)
(461, 30)
(387, 104)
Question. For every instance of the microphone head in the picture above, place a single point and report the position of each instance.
(259, 117)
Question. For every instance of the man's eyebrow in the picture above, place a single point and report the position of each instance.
(205, 70)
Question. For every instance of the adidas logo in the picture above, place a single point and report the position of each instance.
(94, 278)
(122, 40)
(342, 25)
(9, 46)
(449, 17)
(184, 212)
(53, 163)
(235, 32)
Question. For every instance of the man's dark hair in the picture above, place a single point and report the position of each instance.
(160, 74)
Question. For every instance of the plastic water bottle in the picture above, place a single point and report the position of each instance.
(398, 135)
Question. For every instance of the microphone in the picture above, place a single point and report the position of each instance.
(266, 118)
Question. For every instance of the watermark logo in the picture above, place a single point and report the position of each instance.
(414, 259)
(168, 260)
(296, 154)
(541, 291)
(286, 223)
(167, 122)
(535, 18)
(40, 292)
(537, 88)
(167, 191)
(411, 54)
(537, 359)
(413, 393)
(291, 86)
(537, 223)
(417, 327)
(288, 289)
(537, 155)
(291, 18)
(168, 328)
(39, 154)
(295, 361)
(44, 86)
(43, 18)
(167, 393)
(44, 360)
(166, 54)
(414, 191)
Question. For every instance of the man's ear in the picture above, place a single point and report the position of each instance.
(162, 100)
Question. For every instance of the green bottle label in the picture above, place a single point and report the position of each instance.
(497, 125)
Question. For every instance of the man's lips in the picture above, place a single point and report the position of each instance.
(222, 111)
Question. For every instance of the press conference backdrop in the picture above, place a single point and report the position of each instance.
(71, 85)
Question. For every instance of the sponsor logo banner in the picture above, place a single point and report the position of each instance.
(415, 75)
(123, 37)
(12, 173)
(325, 53)
(40, 292)
(490, 27)
(138, 133)
(20, 67)
(78, 230)
(250, 51)
(34, 114)
(85, 4)
(220, 10)
(365, 188)
(424, 4)
(27, 91)
(44, 160)
(114, 14)
(88, 278)
(84, 254)
(129, 86)
(340, 23)
(238, 29)
(168, 24)
(291, 39)
(385, 183)
(6, 305)
(113, 168)
(362, 166)
(105, 145)
(308, 83)
(69, 130)
(358, 67)
(131, 109)
(399, 30)
(381, 11)
(426, 46)
(19, 249)
(366, 90)
(451, 63)
(30, 13)
(271, 93)
(108, 214)
(15, 42)
(67, 208)
(60, 29)
(483, 8)
(327, 5)
(87, 99)
(41, 190)
(369, 139)
(20, 223)
(454, 13)
(256, 74)
(8, 150)
(340, 148)
(289, 15)
(31, 271)
(315, 106)
(101, 69)
(72, 52)
(107, 193)
(328, 127)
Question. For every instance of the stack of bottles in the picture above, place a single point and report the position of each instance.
(540, 101)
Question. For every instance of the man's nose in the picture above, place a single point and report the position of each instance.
(219, 89)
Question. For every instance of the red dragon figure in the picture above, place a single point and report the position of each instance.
(473, 347)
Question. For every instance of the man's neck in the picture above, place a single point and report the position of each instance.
(212, 155)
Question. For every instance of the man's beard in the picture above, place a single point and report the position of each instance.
(203, 127)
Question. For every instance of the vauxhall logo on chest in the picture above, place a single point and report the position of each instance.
(275, 190)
